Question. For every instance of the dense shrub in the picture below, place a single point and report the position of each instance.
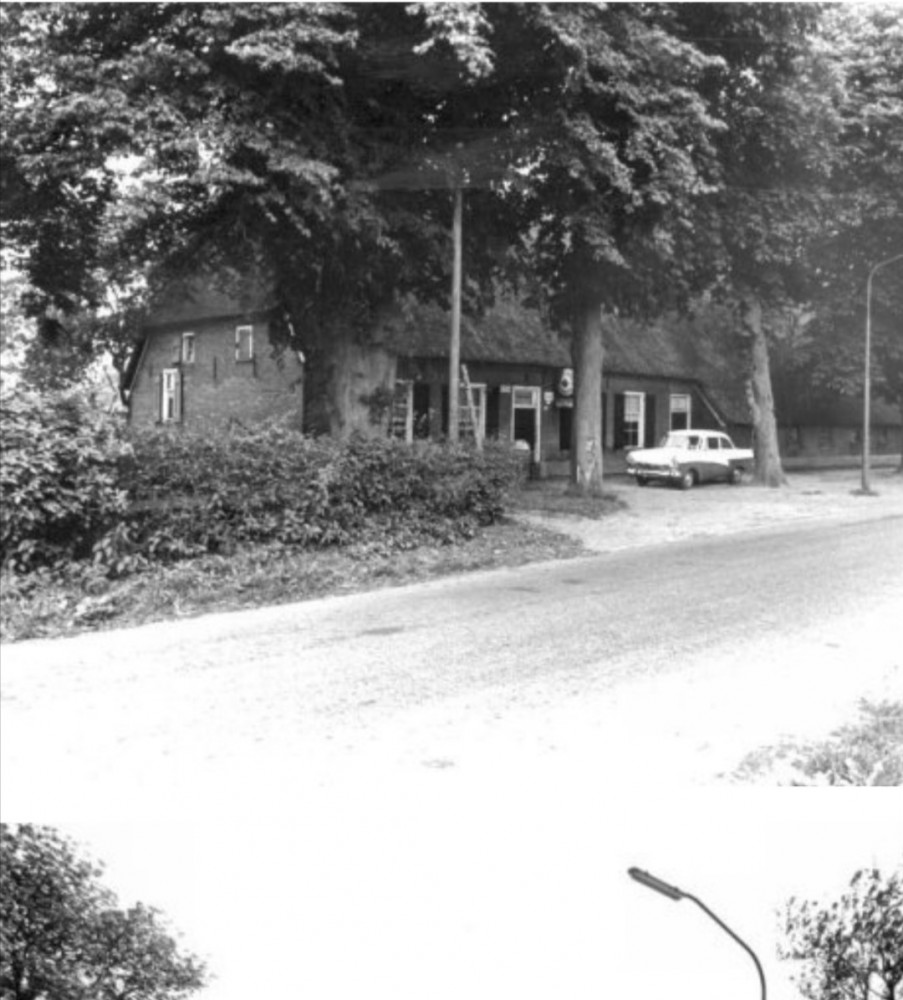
(73, 489)
(192, 493)
(59, 478)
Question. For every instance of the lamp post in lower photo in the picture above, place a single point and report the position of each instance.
(672, 892)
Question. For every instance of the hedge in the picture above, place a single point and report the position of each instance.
(75, 486)
(195, 493)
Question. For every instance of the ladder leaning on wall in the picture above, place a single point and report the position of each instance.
(471, 409)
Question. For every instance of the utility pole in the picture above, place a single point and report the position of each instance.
(454, 352)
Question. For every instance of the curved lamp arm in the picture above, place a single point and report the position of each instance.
(672, 892)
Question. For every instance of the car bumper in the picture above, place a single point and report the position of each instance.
(654, 471)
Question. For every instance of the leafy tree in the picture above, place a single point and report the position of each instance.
(777, 96)
(244, 135)
(852, 948)
(315, 145)
(63, 937)
(605, 100)
(58, 360)
(160, 138)
(867, 207)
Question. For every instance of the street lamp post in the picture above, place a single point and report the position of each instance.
(672, 892)
(867, 389)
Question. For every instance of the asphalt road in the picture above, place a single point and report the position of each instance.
(727, 639)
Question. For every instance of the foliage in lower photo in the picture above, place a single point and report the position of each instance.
(63, 935)
(850, 948)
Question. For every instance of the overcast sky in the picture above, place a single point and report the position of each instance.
(443, 889)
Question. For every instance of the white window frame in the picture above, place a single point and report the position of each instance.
(170, 396)
(188, 348)
(688, 409)
(638, 426)
(535, 405)
(249, 330)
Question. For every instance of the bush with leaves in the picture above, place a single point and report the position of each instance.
(63, 936)
(59, 478)
(196, 493)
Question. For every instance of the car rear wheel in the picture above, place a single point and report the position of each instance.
(642, 481)
(735, 477)
(688, 480)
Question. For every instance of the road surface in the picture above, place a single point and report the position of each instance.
(662, 664)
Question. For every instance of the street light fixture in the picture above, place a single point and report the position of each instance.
(672, 892)
(867, 393)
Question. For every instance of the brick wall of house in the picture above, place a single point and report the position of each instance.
(216, 388)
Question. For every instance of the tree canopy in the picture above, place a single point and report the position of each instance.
(62, 936)
(865, 224)
(852, 948)
(615, 156)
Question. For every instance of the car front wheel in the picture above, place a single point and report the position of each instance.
(688, 480)
(642, 481)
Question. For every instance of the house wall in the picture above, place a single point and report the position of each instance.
(216, 388)
(429, 418)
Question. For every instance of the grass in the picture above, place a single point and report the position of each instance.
(867, 752)
(44, 605)
(554, 497)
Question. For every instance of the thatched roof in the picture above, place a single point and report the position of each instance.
(508, 333)
(205, 298)
(511, 333)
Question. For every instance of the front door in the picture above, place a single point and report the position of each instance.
(525, 415)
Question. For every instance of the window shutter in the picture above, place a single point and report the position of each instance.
(620, 436)
(493, 398)
(161, 413)
(177, 397)
(649, 437)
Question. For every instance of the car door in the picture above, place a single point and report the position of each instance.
(709, 459)
(717, 465)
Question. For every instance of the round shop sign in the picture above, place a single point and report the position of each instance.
(566, 382)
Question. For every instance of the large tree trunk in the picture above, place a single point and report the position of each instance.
(768, 469)
(586, 449)
(350, 387)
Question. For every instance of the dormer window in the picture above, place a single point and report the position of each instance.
(187, 348)
(244, 343)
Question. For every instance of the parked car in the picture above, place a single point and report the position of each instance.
(685, 458)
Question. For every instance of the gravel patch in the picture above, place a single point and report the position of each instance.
(658, 515)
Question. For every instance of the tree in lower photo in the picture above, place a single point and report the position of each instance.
(63, 937)
(851, 948)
